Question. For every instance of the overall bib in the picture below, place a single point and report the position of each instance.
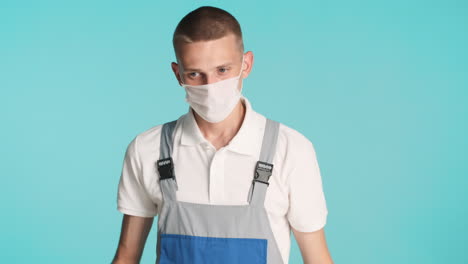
(192, 233)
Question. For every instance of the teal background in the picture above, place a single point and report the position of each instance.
(379, 87)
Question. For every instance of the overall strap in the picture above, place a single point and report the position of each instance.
(264, 166)
(165, 165)
(167, 140)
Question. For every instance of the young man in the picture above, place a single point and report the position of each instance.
(226, 183)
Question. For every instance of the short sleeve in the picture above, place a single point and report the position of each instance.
(307, 205)
(133, 198)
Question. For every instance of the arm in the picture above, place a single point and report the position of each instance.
(307, 213)
(135, 230)
(313, 247)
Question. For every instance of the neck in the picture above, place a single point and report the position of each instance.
(221, 133)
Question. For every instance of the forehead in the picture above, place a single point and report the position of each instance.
(208, 54)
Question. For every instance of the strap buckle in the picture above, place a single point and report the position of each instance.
(165, 168)
(263, 171)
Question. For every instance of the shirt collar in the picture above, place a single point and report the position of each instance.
(246, 141)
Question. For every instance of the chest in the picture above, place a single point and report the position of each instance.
(207, 176)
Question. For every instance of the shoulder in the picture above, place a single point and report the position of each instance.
(295, 153)
(293, 141)
(149, 135)
(148, 141)
(291, 144)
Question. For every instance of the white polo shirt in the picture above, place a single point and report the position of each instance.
(294, 197)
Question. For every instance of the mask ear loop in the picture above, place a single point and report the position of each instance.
(239, 76)
(242, 67)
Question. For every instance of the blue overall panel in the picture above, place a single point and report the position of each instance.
(185, 249)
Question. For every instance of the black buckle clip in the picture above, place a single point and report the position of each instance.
(263, 171)
(165, 168)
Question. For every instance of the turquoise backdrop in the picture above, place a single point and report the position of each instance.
(379, 87)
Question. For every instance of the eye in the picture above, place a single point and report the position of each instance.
(223, 70)
(193, 74)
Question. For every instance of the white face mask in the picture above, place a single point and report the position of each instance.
(214, 101)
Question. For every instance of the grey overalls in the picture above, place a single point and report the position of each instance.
(191, 233)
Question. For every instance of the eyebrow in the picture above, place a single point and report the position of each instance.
(199, 70)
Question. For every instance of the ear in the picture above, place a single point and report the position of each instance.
(248, 63)
(175, 69)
